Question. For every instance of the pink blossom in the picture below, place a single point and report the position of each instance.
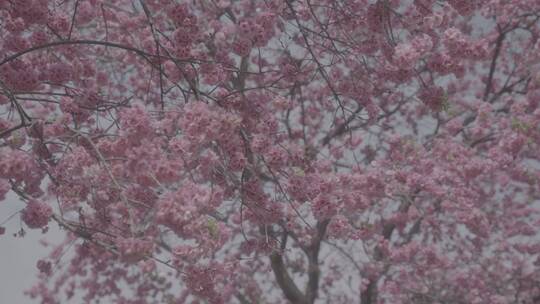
(275, 151)
(36, 214)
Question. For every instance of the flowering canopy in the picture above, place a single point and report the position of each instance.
(246, 151)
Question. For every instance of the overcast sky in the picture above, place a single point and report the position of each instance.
(18, 256)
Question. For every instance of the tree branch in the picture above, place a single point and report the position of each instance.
(313, 259)
(284, 280)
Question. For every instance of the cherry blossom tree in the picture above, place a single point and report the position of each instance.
(275, 151)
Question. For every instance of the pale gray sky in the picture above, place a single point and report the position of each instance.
(18, 256)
